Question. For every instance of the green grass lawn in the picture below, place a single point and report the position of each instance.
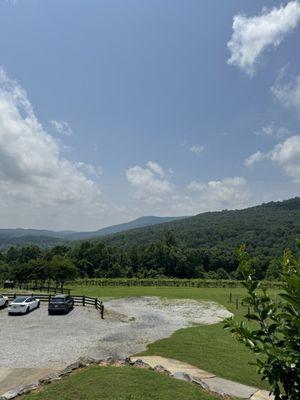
(113, 383)
(211, 349)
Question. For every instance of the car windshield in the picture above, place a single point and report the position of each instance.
(20, 299)
(57, 300)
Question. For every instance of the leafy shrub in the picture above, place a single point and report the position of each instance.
(275, 334)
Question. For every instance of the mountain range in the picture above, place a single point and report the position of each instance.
(44, 238)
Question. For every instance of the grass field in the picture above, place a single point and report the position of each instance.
(209, 347)
(126, 383)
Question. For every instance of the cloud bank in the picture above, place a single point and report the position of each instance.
(149, 182)
(154, 189)
(38, 186)
(226, 193)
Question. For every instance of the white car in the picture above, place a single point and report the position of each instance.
(22, 305)
(3, 301)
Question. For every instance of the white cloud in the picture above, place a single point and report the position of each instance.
(155, 194)
(61, 127)
(156, 168)
(254, 158)
(197, 149)
(288, 93)
(285, 154)
(149, 182)
(39, 187)
(272, 131)
(252, 35)
(194, 185)
(89, 169)
(228, 192)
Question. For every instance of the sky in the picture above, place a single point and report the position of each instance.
(115, 109)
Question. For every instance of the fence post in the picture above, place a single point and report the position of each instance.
(96, 302)
(83, 301)
(230, 297)
(102, 311)
(237, 303)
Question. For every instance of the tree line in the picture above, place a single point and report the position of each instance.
(93, 259)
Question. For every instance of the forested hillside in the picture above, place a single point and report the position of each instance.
(266, 230)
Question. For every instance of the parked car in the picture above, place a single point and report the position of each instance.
(61, 303)
(3, 301)
(23, 304)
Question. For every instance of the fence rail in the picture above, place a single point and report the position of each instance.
(78, 300)
(43, 288)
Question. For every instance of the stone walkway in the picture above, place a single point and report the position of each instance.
(206, 380)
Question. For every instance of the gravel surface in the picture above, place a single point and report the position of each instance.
(37, 340)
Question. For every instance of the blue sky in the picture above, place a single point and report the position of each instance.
(110, 110)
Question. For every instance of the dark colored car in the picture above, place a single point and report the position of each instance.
(61, 303)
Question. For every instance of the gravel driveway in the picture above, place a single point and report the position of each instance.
(37, 340)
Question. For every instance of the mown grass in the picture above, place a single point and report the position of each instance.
(208, 347)
(212, 349)
(125, 383)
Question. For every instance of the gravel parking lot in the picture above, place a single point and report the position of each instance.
(37, 340)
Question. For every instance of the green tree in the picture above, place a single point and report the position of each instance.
(4, 271)
(28, 253)
(62, 269)
(275, 335)
(12, 255)
(40, 269)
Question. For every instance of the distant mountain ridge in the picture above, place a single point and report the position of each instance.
(43, 237)
(266, 229)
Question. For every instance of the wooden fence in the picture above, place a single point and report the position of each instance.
(34, 287)
(78, 300)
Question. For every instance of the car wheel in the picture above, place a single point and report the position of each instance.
(9, 313)
(27, 310)
(38, 304)
(6, 303)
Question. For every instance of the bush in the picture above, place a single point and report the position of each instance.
(275, 335)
